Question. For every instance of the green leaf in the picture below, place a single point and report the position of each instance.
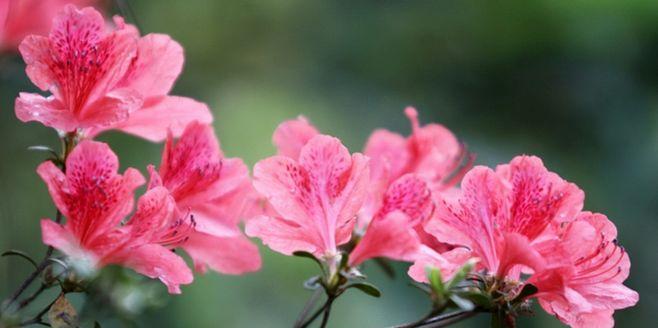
(308, 256)
(461, 274)
(478, 298)
(366, 288)
(462, 303)
(527, 291)
(23, 255)
(344, 259)
(97, 324)
(62, 314)
(313, 283)
(436, 281)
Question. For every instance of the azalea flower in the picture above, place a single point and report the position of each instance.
(215, 190)
(19, 18)
(105, 78)
(95, 199)
(316, 198)
(498, 216)
(583, 284)
(431, 151)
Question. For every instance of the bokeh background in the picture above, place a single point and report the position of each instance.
(575, 82)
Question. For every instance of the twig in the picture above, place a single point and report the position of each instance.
(327, 311)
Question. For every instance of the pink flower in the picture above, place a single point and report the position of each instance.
(215, 190)
(583, 285)
(316, 197)
(95, 200)
(391, 232)
(104, 78)
(431, 151)
(499, 214)
(19, 18)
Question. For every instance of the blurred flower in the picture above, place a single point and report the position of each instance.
(20, 18)
(587, 266)
(95, 200)
(215, 190)
(105, 78)
(316, 198)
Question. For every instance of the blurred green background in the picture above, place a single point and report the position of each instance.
(575, 82)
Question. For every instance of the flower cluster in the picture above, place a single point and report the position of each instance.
(104, 77)
(484, 239)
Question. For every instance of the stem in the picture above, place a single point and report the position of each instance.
(32, 297)
(327, 311)
(38, 319)
(315, 315)
(68, 143)
(443, 320)
(307, 308)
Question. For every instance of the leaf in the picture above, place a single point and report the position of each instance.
(97, 324)
(313, 283)
(366, 288)
(435, 280)
(308, 256)
(462, 303)
(344, 259)
(527, 291)
(62, 314)
(461, 274)
(478, 298)
(42, 148)
(386, 266)
(13, 252)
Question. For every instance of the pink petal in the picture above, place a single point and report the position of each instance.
(158, 63)
(92, 179)
(235, 255)
(290, 136)
(410, 195)
(55, 180)
(55, 235)
(321, 195)
(515, 250)
(174, 114)
(154, 212)
(448, 262)
(388, 154)
(155, 261)
(114, 107)
(36, 54)
(48, 111)
(539, 197)
(284, 236)
(392, 236)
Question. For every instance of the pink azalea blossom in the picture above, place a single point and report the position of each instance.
(583, 285)
(95, 199)
(103, 78)
(215, 190)
(498, 215)
(391, 232)
(20, 18)
(316, 198)
(397, 207)
(431, 151)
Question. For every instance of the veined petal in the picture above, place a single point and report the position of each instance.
(290, 136)
(228, 255)
(391, 236)
(158, 63)
(283, 236)
(155, 261)
(47, 111)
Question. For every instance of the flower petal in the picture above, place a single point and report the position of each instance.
(47, 111)
(228, 255)
(392, 236)
(158, 63)
(155, 261)
(290, 136)
(283, 236)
